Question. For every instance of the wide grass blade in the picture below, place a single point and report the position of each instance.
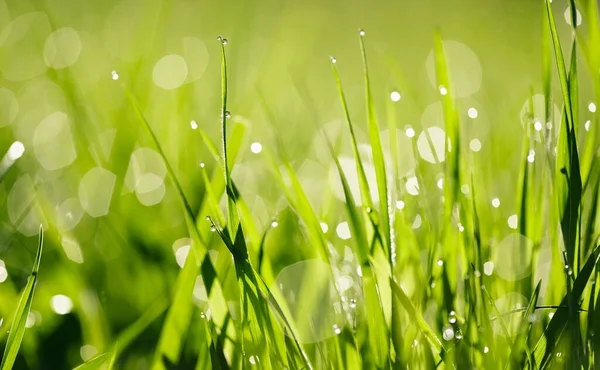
(416, 317)
(546, 344)
(134, 330)
(569, 185)
(17, 328)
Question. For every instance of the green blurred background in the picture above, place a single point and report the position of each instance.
(113, 233)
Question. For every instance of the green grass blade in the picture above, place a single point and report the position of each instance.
(134, 330)
(17, 328)
(362, 178)
(190, 218)
(232, 216)
(377, 151)
(178, 317)
(96, 362)
(549, 340)
(518, 349)
(568, 172)
(417, 319)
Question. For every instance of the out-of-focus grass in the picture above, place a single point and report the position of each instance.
(457, 230)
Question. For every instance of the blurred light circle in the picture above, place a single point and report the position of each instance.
(170, 72)
(61, 304)
(568, 16)
(512, 257)
(9, 107)
(21, 47)
(150, 189)
(23, 209)
(463, 66)
(68, 214)
(511, 321)
(348, 165)
(196, 57)
(95, 191)
(475, 145)
(62, 48)
(538, 103)
(53, 143)
(412, 186)
(438, 139)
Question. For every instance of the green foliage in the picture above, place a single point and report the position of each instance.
(394, 293)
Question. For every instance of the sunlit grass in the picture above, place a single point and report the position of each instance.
(403, 268)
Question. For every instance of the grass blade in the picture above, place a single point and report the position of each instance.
(549, 340)
(377, 151)
(96, 362)
(17, 328)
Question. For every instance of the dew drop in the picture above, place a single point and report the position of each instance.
(400, 204)
(587, 125)
(227, 114)
(486, 349)
(222, 39)
(472, 112)
(440, 263)
(443, 90)
(537, 125)
(361, 32)
(336, 329)
(212, 228)
(115, 75)
(256, 147)
(193, 125)
(274, 224)
(333, 60)
(448, 333)
(395, 96)
(496, 202)
(592, 107)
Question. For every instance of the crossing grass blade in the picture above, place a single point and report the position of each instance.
(419, 321)
(568, 175)
(546, 344)
(518, 351)
(134, 330)
(17, 328)
(96, 362)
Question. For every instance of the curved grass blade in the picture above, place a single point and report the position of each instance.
(17, 328)
(420, 322)
(362, 178)
(549, 340)
(232, 216)
(377, 151)
(568, 172)
(134, 330)
(518, 350)
(96, 362)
